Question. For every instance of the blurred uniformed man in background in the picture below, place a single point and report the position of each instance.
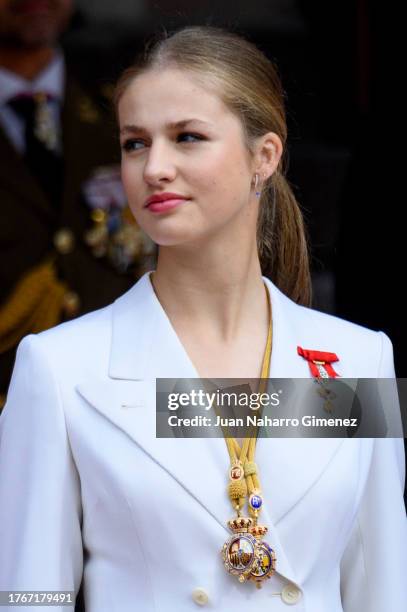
(68, 244)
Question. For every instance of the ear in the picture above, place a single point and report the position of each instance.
(268, 154)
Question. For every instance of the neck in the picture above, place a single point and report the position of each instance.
(27, 64)
(216, 292)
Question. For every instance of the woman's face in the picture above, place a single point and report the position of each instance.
(204, 160)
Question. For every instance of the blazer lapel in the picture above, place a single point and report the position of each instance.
(198, 465)
(145, 347)
(293, 464)
(139, 355)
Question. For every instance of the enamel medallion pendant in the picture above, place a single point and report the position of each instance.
(245, 555)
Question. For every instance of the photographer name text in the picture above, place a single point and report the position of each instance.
(256, 421)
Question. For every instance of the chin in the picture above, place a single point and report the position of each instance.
(173, 236)
(168, 231)
(171, 241)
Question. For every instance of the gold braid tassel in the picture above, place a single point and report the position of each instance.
(35, 304)
(237, 490)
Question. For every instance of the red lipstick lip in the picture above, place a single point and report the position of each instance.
(161, 197)
(165, 205)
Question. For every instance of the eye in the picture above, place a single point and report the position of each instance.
(196, 136)
(129, 145)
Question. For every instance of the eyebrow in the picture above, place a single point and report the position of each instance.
(171, 126)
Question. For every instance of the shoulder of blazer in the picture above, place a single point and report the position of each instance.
(79, 345)
(362, 352)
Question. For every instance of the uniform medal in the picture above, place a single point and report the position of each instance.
(245, 554)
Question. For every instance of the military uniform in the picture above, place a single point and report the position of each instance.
(61, 261)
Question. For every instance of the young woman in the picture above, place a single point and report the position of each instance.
(88, 490)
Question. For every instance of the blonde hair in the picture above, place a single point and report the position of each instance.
(248, 84)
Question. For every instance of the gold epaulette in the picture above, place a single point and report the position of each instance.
(35, 304)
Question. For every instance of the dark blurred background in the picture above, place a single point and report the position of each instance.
(333, 62)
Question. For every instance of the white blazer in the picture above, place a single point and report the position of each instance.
(87, 489)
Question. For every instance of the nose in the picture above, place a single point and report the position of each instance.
(159, 164)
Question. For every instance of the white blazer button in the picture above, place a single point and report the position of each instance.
(290, 594)
(200, 596)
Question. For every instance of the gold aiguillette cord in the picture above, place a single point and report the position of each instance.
(245, 554)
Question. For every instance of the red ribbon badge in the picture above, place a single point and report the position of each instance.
(319, 362)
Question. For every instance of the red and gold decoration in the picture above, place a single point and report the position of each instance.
(320, 362)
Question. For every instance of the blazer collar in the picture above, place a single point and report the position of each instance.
(153, 348)
(144, 343)
(145, 347)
